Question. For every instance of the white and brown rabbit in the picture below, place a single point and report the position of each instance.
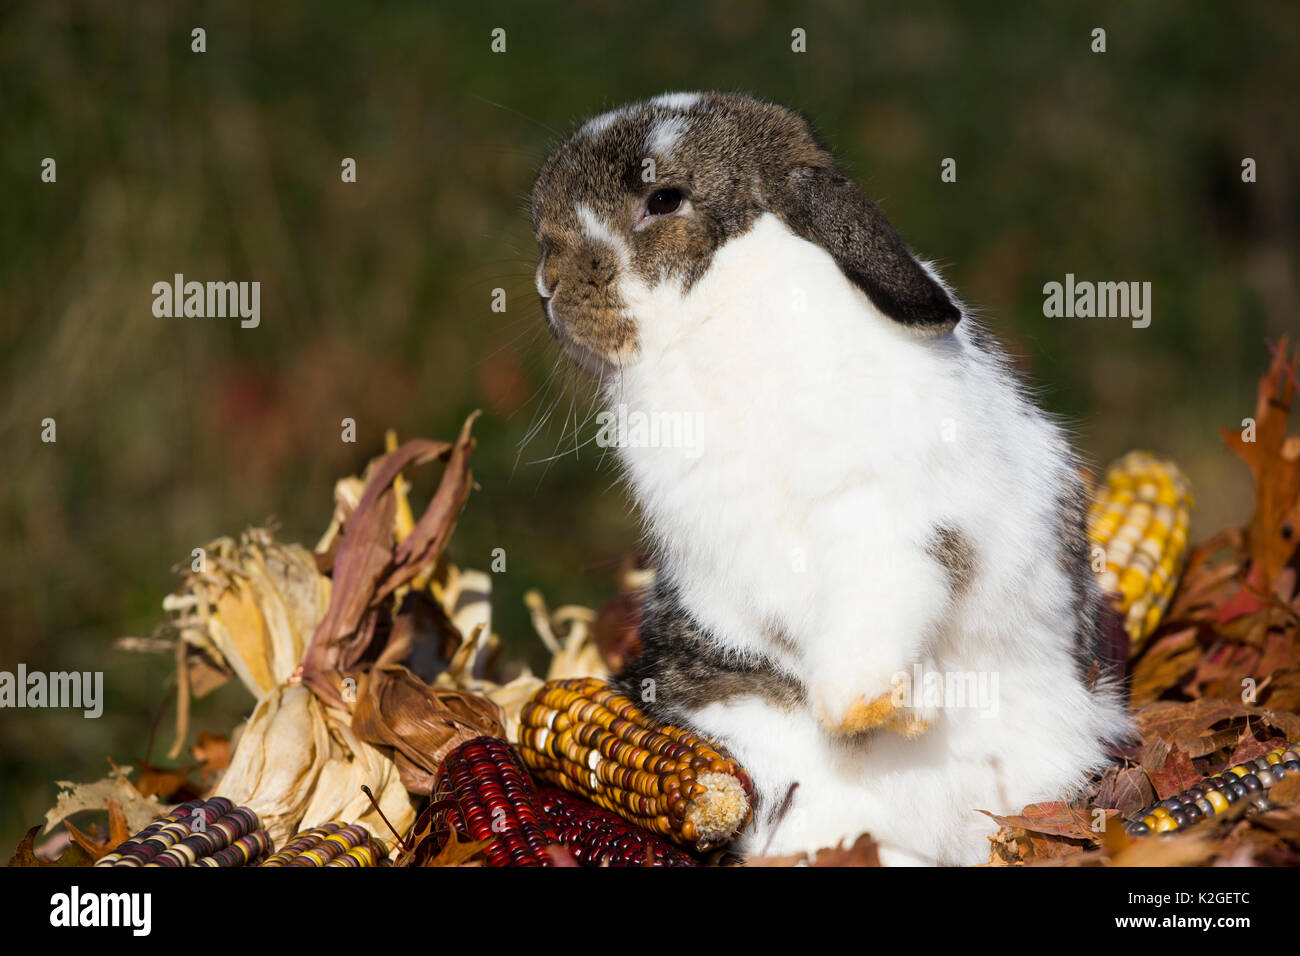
(873, 574)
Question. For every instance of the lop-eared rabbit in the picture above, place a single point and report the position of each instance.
(873, 578)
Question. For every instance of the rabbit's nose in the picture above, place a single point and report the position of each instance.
(547, 279)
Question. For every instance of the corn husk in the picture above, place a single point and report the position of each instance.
(324, 652)
(281, 753)
(299, 764)
(250, 612)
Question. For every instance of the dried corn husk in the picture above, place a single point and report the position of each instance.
(421, 723)
(353, 764)
(371, 572)
(249, 612)
(281, 753)
(254, 608)
(298, 764)
(567, 633)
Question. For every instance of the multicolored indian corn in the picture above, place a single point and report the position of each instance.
(1139, 520)
(583, 736)
(331, 844)
(1249, 781)
(198, 833)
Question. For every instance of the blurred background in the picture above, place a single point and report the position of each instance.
(376, 296)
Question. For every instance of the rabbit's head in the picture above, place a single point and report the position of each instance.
(646, 195)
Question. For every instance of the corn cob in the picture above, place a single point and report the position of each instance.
(583, 736)
(302, 842)
(157, 836)
(491, 797)
(1247, 781)
(331, 844)
(245, 851)
(227, 836)
(1139, 518)
(597, 837)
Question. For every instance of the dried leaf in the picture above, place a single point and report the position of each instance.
(863, 852)
(1040, 848)
(422, 723)
(94, 849)
(26, 855)
(455, 853)
(1126, 790)
(368, 568)
(1163, 664)
(159, 781)
(1155, 750)
(1249, 747)
(1176, 722)
(1286, 792)
(1056, 819)
(1182, 849)
(1275, 462)
(212, 751)
(138, 809)
(1177, 774)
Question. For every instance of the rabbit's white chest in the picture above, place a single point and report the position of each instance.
(795, 394)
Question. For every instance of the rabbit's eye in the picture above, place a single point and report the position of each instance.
(664, 202)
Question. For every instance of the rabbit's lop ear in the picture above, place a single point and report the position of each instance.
(827, 208)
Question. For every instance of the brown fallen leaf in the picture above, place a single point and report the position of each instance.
(117, 833)
(1153, 753)
(1056, 819)
(25, 853)
(212, 751)
(1177, 774)
(1125, 789)
(161, 781)
(1286, 793)
(1163, 664)
(452, 852)
(1182, 849)
(93, 847)
(863, 852)
(1176, 721)
(1283, 823)
(1015, 846)
(1274, 460)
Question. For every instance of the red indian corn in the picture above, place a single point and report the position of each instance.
(597, 837)
(492, 798)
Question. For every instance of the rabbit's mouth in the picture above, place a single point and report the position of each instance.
(592, 327)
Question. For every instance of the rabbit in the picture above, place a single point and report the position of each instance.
(873, 585)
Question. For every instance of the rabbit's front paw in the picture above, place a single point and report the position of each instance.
(885, 705)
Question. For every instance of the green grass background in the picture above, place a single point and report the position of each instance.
(375, 296)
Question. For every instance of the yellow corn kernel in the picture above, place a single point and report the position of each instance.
(1139, 518)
